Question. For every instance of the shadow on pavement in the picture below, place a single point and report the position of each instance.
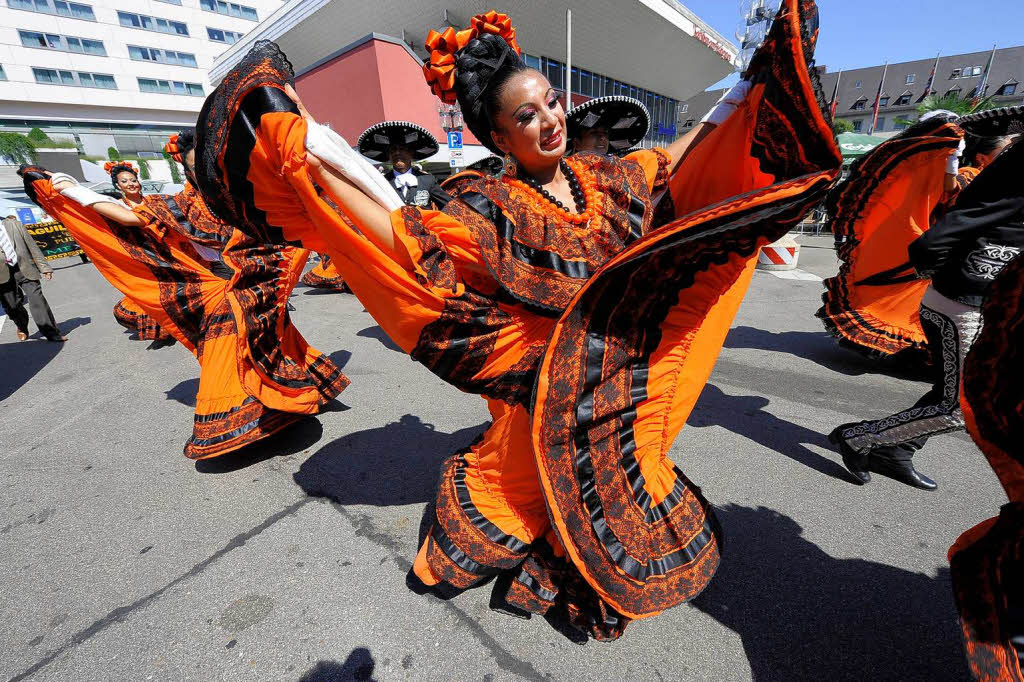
(301, 435)
(822, 348)
(184, 393)
(745, 416)
(390, 465)
(802, 614)
(378, 333)
(66, 326)
(340, 358)
(22, 360)
(358, 666)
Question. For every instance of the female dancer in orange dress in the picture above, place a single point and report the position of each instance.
(324, 276)
(548, 292)
(257, 373)
(128, 313)
(893, 195)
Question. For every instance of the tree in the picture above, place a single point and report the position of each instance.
(113, 154)
(843, 126)
(175, 173)
(143, 169)
(951, 101)
(38, 137)
(16, 148)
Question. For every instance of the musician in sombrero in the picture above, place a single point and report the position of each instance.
(402, 143)
(608, 125)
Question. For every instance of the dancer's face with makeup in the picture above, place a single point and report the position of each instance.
(530, 122)
(128, 183)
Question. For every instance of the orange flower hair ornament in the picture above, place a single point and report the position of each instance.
(111, 165)
(172, 148)
(440, 68)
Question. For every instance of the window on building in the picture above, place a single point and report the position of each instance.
(73, 10)
(222, 36)
(171, 2)
(689, 123)
(3, 74)
(164, 87)
(1007, 89)
(955, 74)
(858, 125)
(860, 104)
(51, 41)
(531, 61)
(229, 9)
(152, 54)
(955, 91)
(976, 71)
(683, 108)
(899, 124)
(74, 78)
(880, 126)
(148, 23)
(910, 78)
(904, 99)
(884, 101)
(858, 84)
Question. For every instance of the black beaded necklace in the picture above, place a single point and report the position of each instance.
(579, 197)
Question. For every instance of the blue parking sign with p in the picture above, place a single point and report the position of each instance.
(454, 139)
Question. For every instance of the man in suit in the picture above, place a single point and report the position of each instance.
(401, 143)
(21, 265)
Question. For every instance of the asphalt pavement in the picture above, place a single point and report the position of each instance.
(122, 560)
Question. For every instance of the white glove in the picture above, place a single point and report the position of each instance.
(953, 162)
(332, 149)
(727, 104)
(81, 195)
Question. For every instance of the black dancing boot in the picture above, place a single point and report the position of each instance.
(856, 462)
(898, 465)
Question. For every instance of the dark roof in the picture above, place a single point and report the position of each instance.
(1007, 67)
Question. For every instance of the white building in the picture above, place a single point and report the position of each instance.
(112, 72)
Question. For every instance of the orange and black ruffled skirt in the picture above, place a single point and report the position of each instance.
(133, 318)
(889, 200)
(324, 276)
(257, 373)
(570, 493)
(987, 562)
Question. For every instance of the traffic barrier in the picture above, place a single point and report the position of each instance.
(780, 255)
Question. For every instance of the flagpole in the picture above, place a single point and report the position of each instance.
(835, 95)
(931, 79)
(980, 92)
(878, 100)
(568, 60)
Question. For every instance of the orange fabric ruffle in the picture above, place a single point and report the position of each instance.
(172, 148)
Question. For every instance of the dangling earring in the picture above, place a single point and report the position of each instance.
(511, 167)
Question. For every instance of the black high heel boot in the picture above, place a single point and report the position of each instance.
(856, 462)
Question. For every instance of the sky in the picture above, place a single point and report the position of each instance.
(862, 33)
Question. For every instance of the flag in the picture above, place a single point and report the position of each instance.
(931, 78)
(979, 92)
(835, 95)
(878, 100)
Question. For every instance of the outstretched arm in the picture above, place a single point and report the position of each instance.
(105, 206)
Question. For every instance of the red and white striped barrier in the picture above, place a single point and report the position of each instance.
(780, 255)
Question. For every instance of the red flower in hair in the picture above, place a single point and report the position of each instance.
(110, 165)
(172, 148)
(440, 68)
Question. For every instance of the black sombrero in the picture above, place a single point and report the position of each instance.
(375, 140)
(994, 122)
(626, 120)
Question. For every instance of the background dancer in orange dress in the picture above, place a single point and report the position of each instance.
(257, 374)
(128, 314)
(962, 254)
(546, 291)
